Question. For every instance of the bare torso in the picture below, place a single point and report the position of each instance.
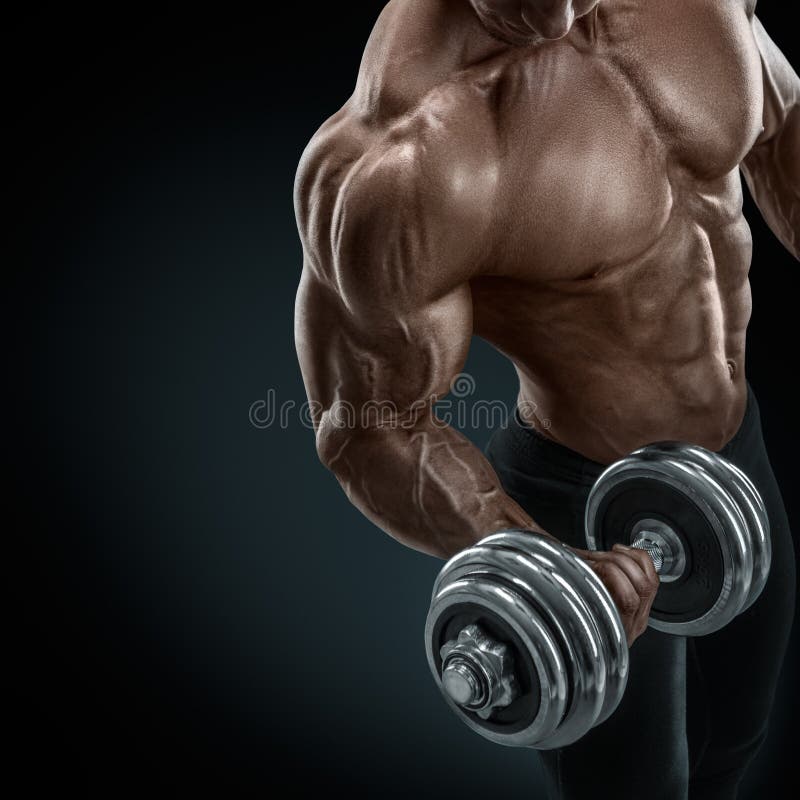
(599, 177)
(619, 286)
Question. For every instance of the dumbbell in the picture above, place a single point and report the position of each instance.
(524, 639)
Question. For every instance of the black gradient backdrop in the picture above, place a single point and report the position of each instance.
(204, 609)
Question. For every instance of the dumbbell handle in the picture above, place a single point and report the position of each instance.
(664, 547)
(653, 550)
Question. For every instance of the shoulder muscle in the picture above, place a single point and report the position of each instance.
(401, 213)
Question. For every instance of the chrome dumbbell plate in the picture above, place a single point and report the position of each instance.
(710, 508)
(554, 614)
(750, 505)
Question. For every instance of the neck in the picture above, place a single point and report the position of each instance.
(415, 45)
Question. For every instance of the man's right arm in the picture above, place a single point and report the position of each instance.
(383, 324)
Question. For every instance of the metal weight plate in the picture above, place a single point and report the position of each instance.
(561, 599)
(656, 482)
(566, 613)
(501, 609)
(730, 492)
(745, 494)
(613, 636)
(633, 490)
(578, 576)
(760, 539)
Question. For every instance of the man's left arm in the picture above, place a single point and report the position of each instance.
(772, 167)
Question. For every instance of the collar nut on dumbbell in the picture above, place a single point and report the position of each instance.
(478, 672)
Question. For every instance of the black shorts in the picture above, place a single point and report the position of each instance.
(695, 711)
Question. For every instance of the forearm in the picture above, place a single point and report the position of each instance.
(772, 171)
(428, 487)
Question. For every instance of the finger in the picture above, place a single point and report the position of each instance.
(645, 583)
(642, 557)
(632, 608)
(622, 591)
(586, 555)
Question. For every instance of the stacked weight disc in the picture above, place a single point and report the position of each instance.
(568, 644)
(710, 507)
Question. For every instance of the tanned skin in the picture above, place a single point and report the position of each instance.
(562, 179)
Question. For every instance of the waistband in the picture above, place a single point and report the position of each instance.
(538, 449)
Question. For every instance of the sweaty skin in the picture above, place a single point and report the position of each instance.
(562, 179)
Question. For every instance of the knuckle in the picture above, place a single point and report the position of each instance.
(647, 588)
(645, 563)
(650, 570)
(642, 559)
(628, 603)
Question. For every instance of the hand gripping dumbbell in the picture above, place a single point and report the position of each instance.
(524, 639)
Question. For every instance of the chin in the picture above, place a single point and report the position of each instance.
(518, 33)
(528, 27)
(551, 28)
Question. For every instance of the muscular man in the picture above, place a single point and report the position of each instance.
(562, 179)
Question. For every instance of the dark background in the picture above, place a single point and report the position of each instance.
(203, 609)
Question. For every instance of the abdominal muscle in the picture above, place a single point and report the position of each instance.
(644, 351)
(640, 405)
